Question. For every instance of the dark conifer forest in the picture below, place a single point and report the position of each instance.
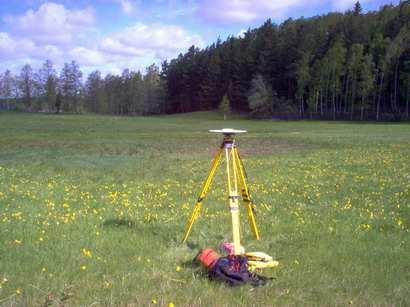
(350, 66)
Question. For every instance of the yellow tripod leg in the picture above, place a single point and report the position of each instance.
(233, 199)
(245, 194)
(205, 188)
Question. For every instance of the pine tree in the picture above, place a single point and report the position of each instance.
(95, 100)
(209, 93)
(27, 85)
(224, 106)
(336, 56)
(365, 83)
(260, 98)
(302, 77)
(154, 92)
(406, 86)
(6, 88)
(70, 86)
(240, 73)
(136, 92)
(357, 8)
(58, 102)
(354, 65)
(48, 83)
(378, 48)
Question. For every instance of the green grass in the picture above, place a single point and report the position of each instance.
(92, 210)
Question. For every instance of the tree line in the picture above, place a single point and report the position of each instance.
(337, 66)
(44, 90)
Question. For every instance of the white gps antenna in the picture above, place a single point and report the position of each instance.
(228, 131)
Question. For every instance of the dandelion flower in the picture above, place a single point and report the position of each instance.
(86, 252)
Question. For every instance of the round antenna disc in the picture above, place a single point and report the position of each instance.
(228, 131)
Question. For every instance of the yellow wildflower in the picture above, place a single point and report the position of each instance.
(86, 252)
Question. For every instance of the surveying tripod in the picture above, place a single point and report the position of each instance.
(236, 177)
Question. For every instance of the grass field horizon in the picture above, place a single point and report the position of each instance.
(93, 208)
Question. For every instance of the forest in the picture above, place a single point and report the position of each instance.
(338, 66)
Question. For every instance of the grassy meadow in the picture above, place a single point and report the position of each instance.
(92, 210)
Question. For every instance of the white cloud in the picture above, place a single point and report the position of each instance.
(60, 34)
(241, 33)
(115, 46)
(142, 39)
(6, 43)
(343, 5)
(86, 56)
(52, 51)
(127, 7)
(52, 23)
(237, 11)
(12, 48)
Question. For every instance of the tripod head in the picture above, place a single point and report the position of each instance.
(228, 134)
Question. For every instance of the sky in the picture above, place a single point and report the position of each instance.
(111, 35)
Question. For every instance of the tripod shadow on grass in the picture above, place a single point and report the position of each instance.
(165, 233)
(121, 223)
